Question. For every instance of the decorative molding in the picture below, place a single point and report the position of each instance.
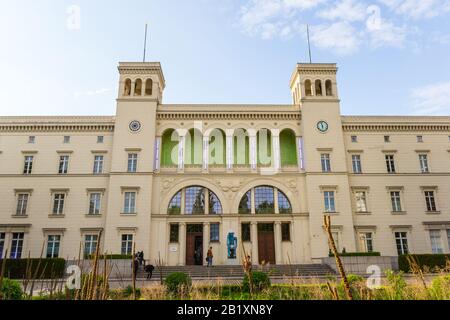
(64, 151)
(202, 115)
(133, 149)
(395, 188)
(130, 188)
(379, 127)
(325, 149)
(29, 191)
(355, 151)
(99, 151)
(422, 151)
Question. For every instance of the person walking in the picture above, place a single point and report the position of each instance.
(210, 256)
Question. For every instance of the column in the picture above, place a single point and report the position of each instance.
(276, 149)
(278, 253)
(182, 244)
(205, 240)
(230, 148)
(205, 158)
(300, 155)
(253, 149)
(254, 238)
(181, 146)
(275, 201)
(157, 163)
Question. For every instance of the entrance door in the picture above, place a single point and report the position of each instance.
(194, 245)
(266, 243)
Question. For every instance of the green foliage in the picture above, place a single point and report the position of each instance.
(50, 268)
(440, 288)
(260, 281)
(430, 262)
(357, 254)
(356, 283)
(397, 285)
(177, 281)
(10, 290)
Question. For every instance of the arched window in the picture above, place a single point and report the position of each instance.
(268, 200)
(318, 88)
(328, 88)
(288, 148)
(149, 87)
(264, 147)
(195, 200)
(138, 87)
(217, 148)
(193, 152)
(127, 88)
(308, 88)
(169, 149)
(241, 146)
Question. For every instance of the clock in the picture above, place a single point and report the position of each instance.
(135, 126)
(322, 126)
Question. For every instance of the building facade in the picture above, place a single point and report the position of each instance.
(174, 180)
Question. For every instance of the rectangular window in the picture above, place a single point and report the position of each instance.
(396, 201)
(2, 244)
(387, 139)
(423, 159)
(285, 232)
(436, 243)
(430, 201)
(130, 203)
(53, 244)
(264, 200)
(361, 201)
(58, 203)
(66, 139)
(390, 163)
(401, 241)
(246, 232)
(335, 236)
(366, 239)
(214, 232)
(94, 203)
(31, 139)
(127, 244)
(28, 167)
(354, 139)
(132, 162)
(356, 163)
(22, 203)
(420, 139)
(325, 161)
(98, 164)
(100, 139)
(90, 244)
(174, 233)
(329, 201)
(17, 245)
(63, 164)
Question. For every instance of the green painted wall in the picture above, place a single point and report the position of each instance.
(264, 147)
(194, 148)
(288, 148)
(217, 148)
(168, 149)
(241, 145)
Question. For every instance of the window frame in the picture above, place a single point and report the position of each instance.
(329, 201)
(356, 164)
(424, 163)
(20, 204)
(390, 163)
(132, 163)
(99, 161)
(174, 233)
(16, 243)
(63, 167)
(58, 205)
(401, 237)
(325, 161)
(430, 200)
(286, 232)
(436, 241)
(214, 233)
(125, 244)
(100, 196)
(246, 235)
(56, 245)
(130, 203)
(93, 242)
(28, 164)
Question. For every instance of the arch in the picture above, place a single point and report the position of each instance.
(195, 200)
(288, 147)
(328, 88)
(138, 87)
(241, 146)
(217, 147)
(264, 147)
(318, 88)
(169, 148)
(193, 152)
(149, 87)
(308, 88)
(127, 87)
(265, 199)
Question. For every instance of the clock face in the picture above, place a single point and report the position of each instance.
(322, 126)
(135, 126)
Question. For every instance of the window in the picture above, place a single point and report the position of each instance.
(22, 203)
(215, 207)
(17, 245)
(58, 203)
(318, 88)
(127, 87)
(214, 232)
(423, 159)
(436, 243)
(396, 201)
(356, 163)
(2, 244)
(245, 205)
(174, 233)
(98, 164)
(308, 88)
(31, 139)
(28, 168)
(430, 201)
(264, 200)
(448, 238)
(66, 139)
(195, 200)
(53, 244)
(401, 241)
(366, 241)
(335, 235)
(328, 88)
(246, 234)
(148, 87)
(138, 87)
(329, 201)
(100, 139)
(175, 204)
(354, 139)
(284, 206)
(126, 247)
(325, 160)
(90, 244)
(420, 139)
(361, 201)
(285, 232)
(390, 163)
(94, 203)
(129, 203)
(387, 139)
(132, 162)
(63, 164)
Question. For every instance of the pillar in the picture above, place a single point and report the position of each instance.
(229, 148)
(181, 146)
(278, 253)
(254, 238)
(157, 164)
(205, 158)
(205, 240)
(253, 149)
(182, 245)
(276, 149)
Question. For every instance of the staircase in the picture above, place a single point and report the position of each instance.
(231, 272)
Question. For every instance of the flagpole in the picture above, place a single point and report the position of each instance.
(145, 42)
(309, 43)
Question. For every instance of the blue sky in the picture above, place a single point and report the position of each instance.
(393, 55)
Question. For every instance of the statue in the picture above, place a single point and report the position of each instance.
(232, 245)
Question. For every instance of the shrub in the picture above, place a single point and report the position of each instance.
(356, 283)
(260, 279)
(48, 268)
(10, 290)
(177, 281)
(397, 286)
(440, 288)
(430, 262)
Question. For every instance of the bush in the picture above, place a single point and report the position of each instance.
(440, 288)
(431, 262)
(260, 279)
(48, 268)
(176, 282)
(356, 284)
(357, 254)
(10, 290)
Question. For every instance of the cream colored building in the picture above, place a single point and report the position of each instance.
(177, 179)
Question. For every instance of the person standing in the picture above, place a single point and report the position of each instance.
(210, 256)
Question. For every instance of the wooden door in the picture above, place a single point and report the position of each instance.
(266, 243)
(194, 244)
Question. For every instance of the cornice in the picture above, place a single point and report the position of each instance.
(186, 115)
(395, 124)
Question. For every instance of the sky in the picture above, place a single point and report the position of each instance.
(60, 57)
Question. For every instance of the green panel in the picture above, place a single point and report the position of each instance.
(264, 147)
(194, 148)
(241, 145)
(169, 153)
(217, 147)
(288, 148)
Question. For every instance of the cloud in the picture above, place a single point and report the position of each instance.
(340, 37)
(387, 34)
(346, 10)
(92, 93)
(433, 99)
(418, 9)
